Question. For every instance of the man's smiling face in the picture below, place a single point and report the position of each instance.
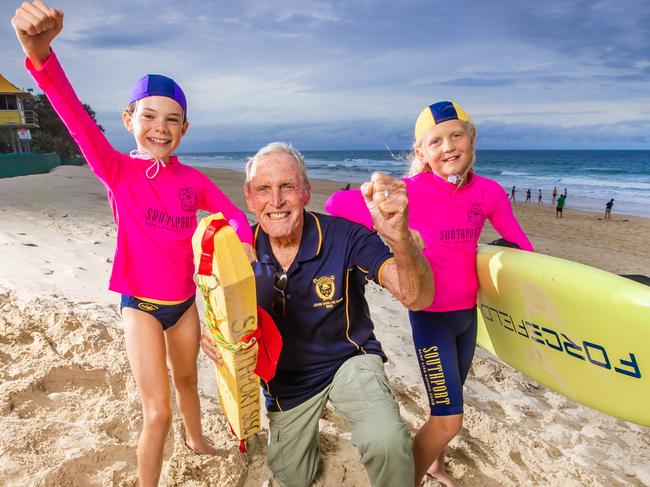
(277, 195)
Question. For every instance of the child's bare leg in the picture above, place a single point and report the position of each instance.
(145, 347)
(182, 349)
(429, 447)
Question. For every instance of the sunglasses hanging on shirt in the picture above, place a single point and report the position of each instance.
(279, 305)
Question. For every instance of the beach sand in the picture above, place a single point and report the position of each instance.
(69, 410)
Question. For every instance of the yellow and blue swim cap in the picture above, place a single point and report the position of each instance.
(437, 113)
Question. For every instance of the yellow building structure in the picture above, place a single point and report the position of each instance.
(14, 117)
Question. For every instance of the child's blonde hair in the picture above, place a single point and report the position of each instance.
(418, 167)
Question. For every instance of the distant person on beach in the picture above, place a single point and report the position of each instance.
(539, 197)
(554, 195)
(154, 198)
(608, 209)
(565, 192)
(560, 206)
(448, 207)
(513, 191)
(310, 276)
(528, 195)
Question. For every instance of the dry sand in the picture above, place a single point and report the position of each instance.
(69, 411)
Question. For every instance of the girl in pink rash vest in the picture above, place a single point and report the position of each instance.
(448, 206)
(154, 198)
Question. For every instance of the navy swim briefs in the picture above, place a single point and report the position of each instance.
(444, 346)
(167, 314)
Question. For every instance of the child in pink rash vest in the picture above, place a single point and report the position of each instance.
(450, 220)
(154, 198)
(448, 207)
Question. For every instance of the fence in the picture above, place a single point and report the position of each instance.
(26, 163)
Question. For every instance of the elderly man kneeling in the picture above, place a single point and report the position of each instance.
(310, 275)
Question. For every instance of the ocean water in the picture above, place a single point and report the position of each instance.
(590, 177)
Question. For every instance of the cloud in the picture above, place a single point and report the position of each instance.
(605, 33)
(344, 74)
(630, 134)
(476, 82)
(122, 37)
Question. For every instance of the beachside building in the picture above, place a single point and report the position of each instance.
(13, 116)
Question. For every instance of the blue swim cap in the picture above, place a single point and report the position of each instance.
(157, 85)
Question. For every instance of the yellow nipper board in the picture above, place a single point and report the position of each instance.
(580, 331)
(233, 300)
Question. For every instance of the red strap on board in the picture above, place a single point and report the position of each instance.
(242, 443)
(207, 246)
(254, 334)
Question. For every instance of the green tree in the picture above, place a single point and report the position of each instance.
(5, 141)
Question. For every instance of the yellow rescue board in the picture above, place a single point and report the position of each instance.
(580, 331)
(232, 310)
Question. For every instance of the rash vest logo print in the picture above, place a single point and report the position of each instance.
(189, 199)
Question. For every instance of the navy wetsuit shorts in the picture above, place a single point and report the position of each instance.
(444, 346)
(167, 314)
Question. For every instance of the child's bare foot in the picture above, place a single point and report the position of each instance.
(201, 447)
(443, 477)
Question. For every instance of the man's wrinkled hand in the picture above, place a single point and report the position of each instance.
(387, 201)
(209, 347)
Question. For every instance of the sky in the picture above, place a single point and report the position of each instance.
(568, 74)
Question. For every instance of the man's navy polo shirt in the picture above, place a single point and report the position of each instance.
(326, 319)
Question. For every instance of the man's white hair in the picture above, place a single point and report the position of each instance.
(274, 148)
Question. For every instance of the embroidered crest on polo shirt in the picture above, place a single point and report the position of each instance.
(325, 287)
(325, 290)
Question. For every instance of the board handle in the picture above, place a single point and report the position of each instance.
(207, 246)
